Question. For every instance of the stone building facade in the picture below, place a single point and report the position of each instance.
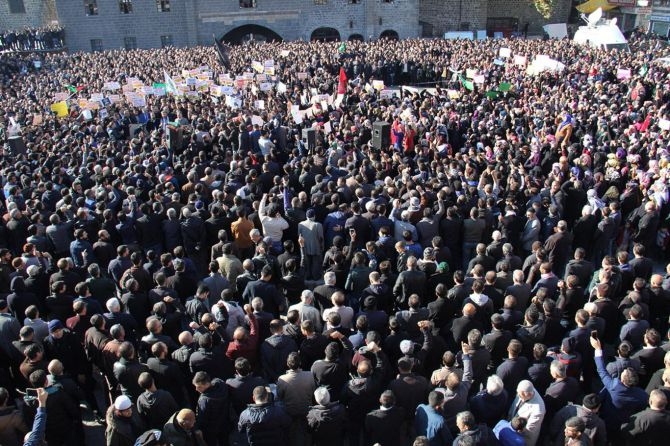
(114, 24)
(17, 14)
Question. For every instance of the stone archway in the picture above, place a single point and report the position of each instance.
(389, 34)
(246, 33)
(325, 34)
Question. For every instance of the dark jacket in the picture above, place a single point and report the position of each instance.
(274, 352)
(212, 412)
(387, 427)
(127, 374)
(265, 424)
(155, 408)
(327, 424)
(480, 436)
(176, 436)
(647, 428)
(122, 431)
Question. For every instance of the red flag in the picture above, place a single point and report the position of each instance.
(342, 84)
(645, 124)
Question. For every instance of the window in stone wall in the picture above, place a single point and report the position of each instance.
(126, 6)
(96, 45)
(354, 2)
(387, 1)
(163, 5)
(91, 7)
(247, 3)
(320, 2)
(17, 7)
(166, 40)
(130, 43)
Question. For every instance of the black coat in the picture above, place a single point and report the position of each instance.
(386, 427)
(327, 424)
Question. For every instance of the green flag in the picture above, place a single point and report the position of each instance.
(492, 94)
(466, 83)
(504, 86)
(342, 48)
(72, 88)
(643, 70)
(159, 85)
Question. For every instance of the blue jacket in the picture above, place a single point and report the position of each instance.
(429, 422)
(265, 424)
(36, 437)
(619, 401)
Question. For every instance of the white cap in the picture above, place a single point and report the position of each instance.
(122, 403)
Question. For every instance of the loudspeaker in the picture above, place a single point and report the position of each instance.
(381, 135)
(17, 145)
(309, 138)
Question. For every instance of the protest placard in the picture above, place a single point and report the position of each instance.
(259, 104)
(504, 53)
(623, 74)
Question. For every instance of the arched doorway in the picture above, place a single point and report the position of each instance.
(389, 34)
(356, 38)
(325, 34)
(246, 33)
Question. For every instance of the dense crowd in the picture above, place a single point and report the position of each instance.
(32, 39)
(490, 276)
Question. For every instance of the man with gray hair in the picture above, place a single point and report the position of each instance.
(323, 293)
(565, 389)
(508, 255)
(471, 432)
(325, 420)
(520, 290)
(115, 316)
(488, 406)
(307, 310)
(529, 405)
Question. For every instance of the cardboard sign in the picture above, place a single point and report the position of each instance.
(257, 66)
(378, 85)
(60, 96)
(623, 74)
(111, 86)
(260, 104)
(519, 60)
(265, 86)
(470, 73)
(281, 87)
(504, 53)
(479, 79)
(257, 120)
(302, 75)
(664, 124)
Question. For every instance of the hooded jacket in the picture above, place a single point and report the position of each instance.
(20, 299)
(274, 352)
(327, 424)
(211, 415)
(155, 408)
(265, 424)
(12, 427)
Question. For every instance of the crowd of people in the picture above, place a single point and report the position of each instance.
(49, 37)
(490, 274)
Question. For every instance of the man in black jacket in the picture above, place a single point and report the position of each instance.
(212, 410)
(386, 425)
(155, 406)
(652, 425)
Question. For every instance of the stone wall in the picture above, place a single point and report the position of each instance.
(443, 16)
(38, 13)
(146, 24)
(525, 11)
(193, 22)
